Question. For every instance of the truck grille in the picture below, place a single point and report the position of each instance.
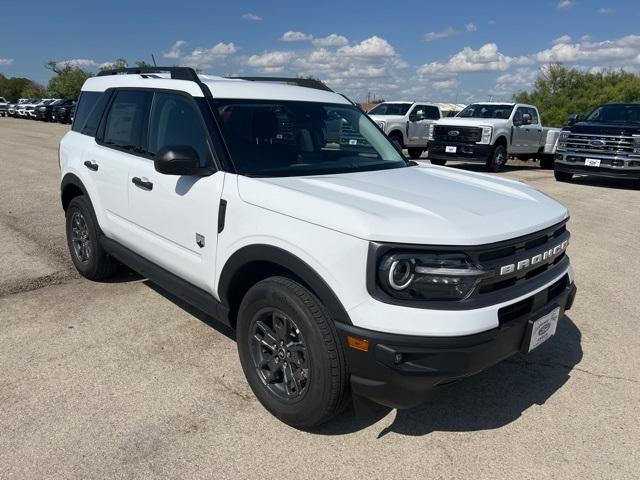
(604, 144)
(465, 134)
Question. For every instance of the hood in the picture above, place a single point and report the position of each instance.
(387, 118)
(599, 128)
(419, 205)
(472, 122)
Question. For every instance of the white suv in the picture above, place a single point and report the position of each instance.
(285, 213)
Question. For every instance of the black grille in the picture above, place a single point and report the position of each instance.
(605, 144)
(465, 134)
(526, 306)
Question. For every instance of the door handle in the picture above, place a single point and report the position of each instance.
(143, 183)
(91, 165)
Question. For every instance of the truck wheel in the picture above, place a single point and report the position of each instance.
(498, 159)
(397, 139)
(562, 176)
(438, 162)
(546, 162)
(415, 152)
(290, 353)
(87, 254)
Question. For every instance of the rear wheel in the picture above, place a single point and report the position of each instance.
(415, 153)
(562, 176)
(290, 353)
(87, 254)
(497, 159)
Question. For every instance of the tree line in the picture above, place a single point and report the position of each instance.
(65, 83)
(559, 92)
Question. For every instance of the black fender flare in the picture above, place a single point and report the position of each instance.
(71, 179)
(278, 256)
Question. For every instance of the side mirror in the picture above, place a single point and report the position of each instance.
(517, 122)
(574, 118)
(178, 160)
(526, 119)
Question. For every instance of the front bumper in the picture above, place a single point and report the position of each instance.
(469, 152)
(402, 371)
(610, 166)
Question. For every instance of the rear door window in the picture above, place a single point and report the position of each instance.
(126, 120)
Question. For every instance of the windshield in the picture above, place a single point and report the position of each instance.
(391, 109)
(278, 139)
(616, 114)
(483, 110)
(57, 102)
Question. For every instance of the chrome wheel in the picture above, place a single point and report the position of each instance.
(279, 354)
(80, 237)
(500, 159)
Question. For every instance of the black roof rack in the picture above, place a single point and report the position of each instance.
(177, 73)
(301, 82)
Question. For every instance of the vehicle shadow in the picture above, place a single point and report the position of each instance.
(603, 182)
(492, 399)
(509, 167)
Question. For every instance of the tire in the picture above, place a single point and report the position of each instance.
(497, 159)
(562, 176)
(397, 139)
(546, 162)
(268, 310)
(87, 254)
(415, 152)
(438, 162)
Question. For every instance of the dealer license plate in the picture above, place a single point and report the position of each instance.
(592, 162)
(451, 149)
(544, 328)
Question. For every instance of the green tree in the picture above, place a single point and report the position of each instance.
(67, 81)
(33, 90)
(560, 91)
(12, 88)
(117, 63)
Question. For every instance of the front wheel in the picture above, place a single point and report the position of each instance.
(397, 139)
(415, 153)
(290, 353)
(497, 159)
(562, 176)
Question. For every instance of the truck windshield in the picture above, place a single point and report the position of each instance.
(481, 110)
(391, 109)
(615, 114)
(286, 138)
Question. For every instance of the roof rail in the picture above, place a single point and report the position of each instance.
(177, 73)
(301, 82)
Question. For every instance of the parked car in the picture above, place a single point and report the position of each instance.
(605, 144)
(490, 133)
(4, 107)
(45, 110)
(21, 107)
(345, 270)
(13, 107)
(63, 113)
(32, 109)
(406, 123)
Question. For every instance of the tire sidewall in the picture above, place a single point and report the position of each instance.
(303, 410)
(491, 164)
(80, 204)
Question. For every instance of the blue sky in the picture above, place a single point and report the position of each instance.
(464, 50)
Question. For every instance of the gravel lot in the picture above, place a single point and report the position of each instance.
(120, 380)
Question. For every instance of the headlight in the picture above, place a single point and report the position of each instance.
(428, 276)
(486, 135)
(42, 109)
(636, 144)
(562, 140)
(380, 125)
(432, 128)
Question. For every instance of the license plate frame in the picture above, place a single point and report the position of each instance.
(541, 329)
(450, 149)
(592, 162)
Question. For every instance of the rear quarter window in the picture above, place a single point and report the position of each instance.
(86, 102)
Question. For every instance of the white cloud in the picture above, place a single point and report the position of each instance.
(251, 17)
(371, 47)
(6, 61)
(622, 50)
(565, 4)
(605, 11)
(486, 59)
(292, 36)
(470, 27)
(562, 39)
(333, 40)
(446, 33)
(449, 84)
(270, 62)
(522, 77)
(176, 50)
(209, 57)
(77, 62)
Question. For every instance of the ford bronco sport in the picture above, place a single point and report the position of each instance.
(284, 212)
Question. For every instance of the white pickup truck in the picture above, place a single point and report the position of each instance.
(492, 132)
(406, 123)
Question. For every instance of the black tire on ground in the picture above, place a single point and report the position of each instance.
(438, 162)
(397, 139)
(546, 162)
(307, 383)
(415, 152)
(87, 254)
(562, 176)
(497, 159)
